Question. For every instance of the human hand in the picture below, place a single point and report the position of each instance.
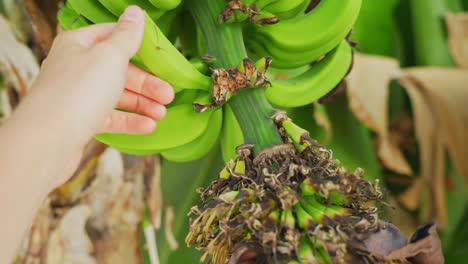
(87, 76)
(84, 78)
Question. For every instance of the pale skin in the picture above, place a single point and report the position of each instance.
(83, 80)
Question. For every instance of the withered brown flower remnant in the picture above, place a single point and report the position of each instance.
(293, 203)
(238, 11)
(227, 82)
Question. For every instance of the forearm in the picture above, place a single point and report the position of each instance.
(34, 153)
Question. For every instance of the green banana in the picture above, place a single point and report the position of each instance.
(317, 210)
(304, 219)
(200, 64)
(92, 10)
(306, 253)
(288, 221)
(295, 132)
(231, 135)
(181, 125)
(285, 9)
(298, 41)
(261, 4)
(299, 10)
(156, 53)
(117, 7)
(335, 17)
(313, 84)
(165, 4)
(163, 60)
(200, 146)
(70, 19)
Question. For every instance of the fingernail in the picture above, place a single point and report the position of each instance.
(132, 14)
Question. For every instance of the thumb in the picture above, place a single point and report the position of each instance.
(128, 33)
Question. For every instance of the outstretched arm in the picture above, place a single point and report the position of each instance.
(85, 77)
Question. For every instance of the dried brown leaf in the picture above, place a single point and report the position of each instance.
(34, 243)
(43, 31)
(457, 27)
(18, 66)
(368, 86)
(447, 92)
(429, 134)
(400, 217)
(380, 243)
(5, 105)
(68, 193)
(101, 194)
(154, 198)
(411, 197)
(69, 242)
(168, 221)
(424, 247)
(120, 246)
(15, 13)
(389, 244)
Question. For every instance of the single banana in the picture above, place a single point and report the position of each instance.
(181, 125)
(117, 7)
(200, 146)
(306, 253)
(294, 42)
(200, 64)
(298, 10)
(318, 211)
(304, 220)
(284, 6)
(156, 52)
(92, 10)
(329, 19)
(313, 84)
(262, 4)
(231, 135)
(165, 4)
(70, 19)
(186, 97)
(164, 60)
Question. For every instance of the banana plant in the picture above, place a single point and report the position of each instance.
(281, 196)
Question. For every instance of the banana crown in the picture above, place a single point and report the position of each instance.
(282, 34)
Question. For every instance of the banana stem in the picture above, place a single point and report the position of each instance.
(226, 43)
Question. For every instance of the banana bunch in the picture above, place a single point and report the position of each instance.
(173, 45)
(304, 211)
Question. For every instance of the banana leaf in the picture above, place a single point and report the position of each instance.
(352, 141)
(374, 29)
(179, 184)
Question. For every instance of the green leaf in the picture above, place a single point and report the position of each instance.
(455, 196)
(179, 184)
(351, 142)
(374, 30)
